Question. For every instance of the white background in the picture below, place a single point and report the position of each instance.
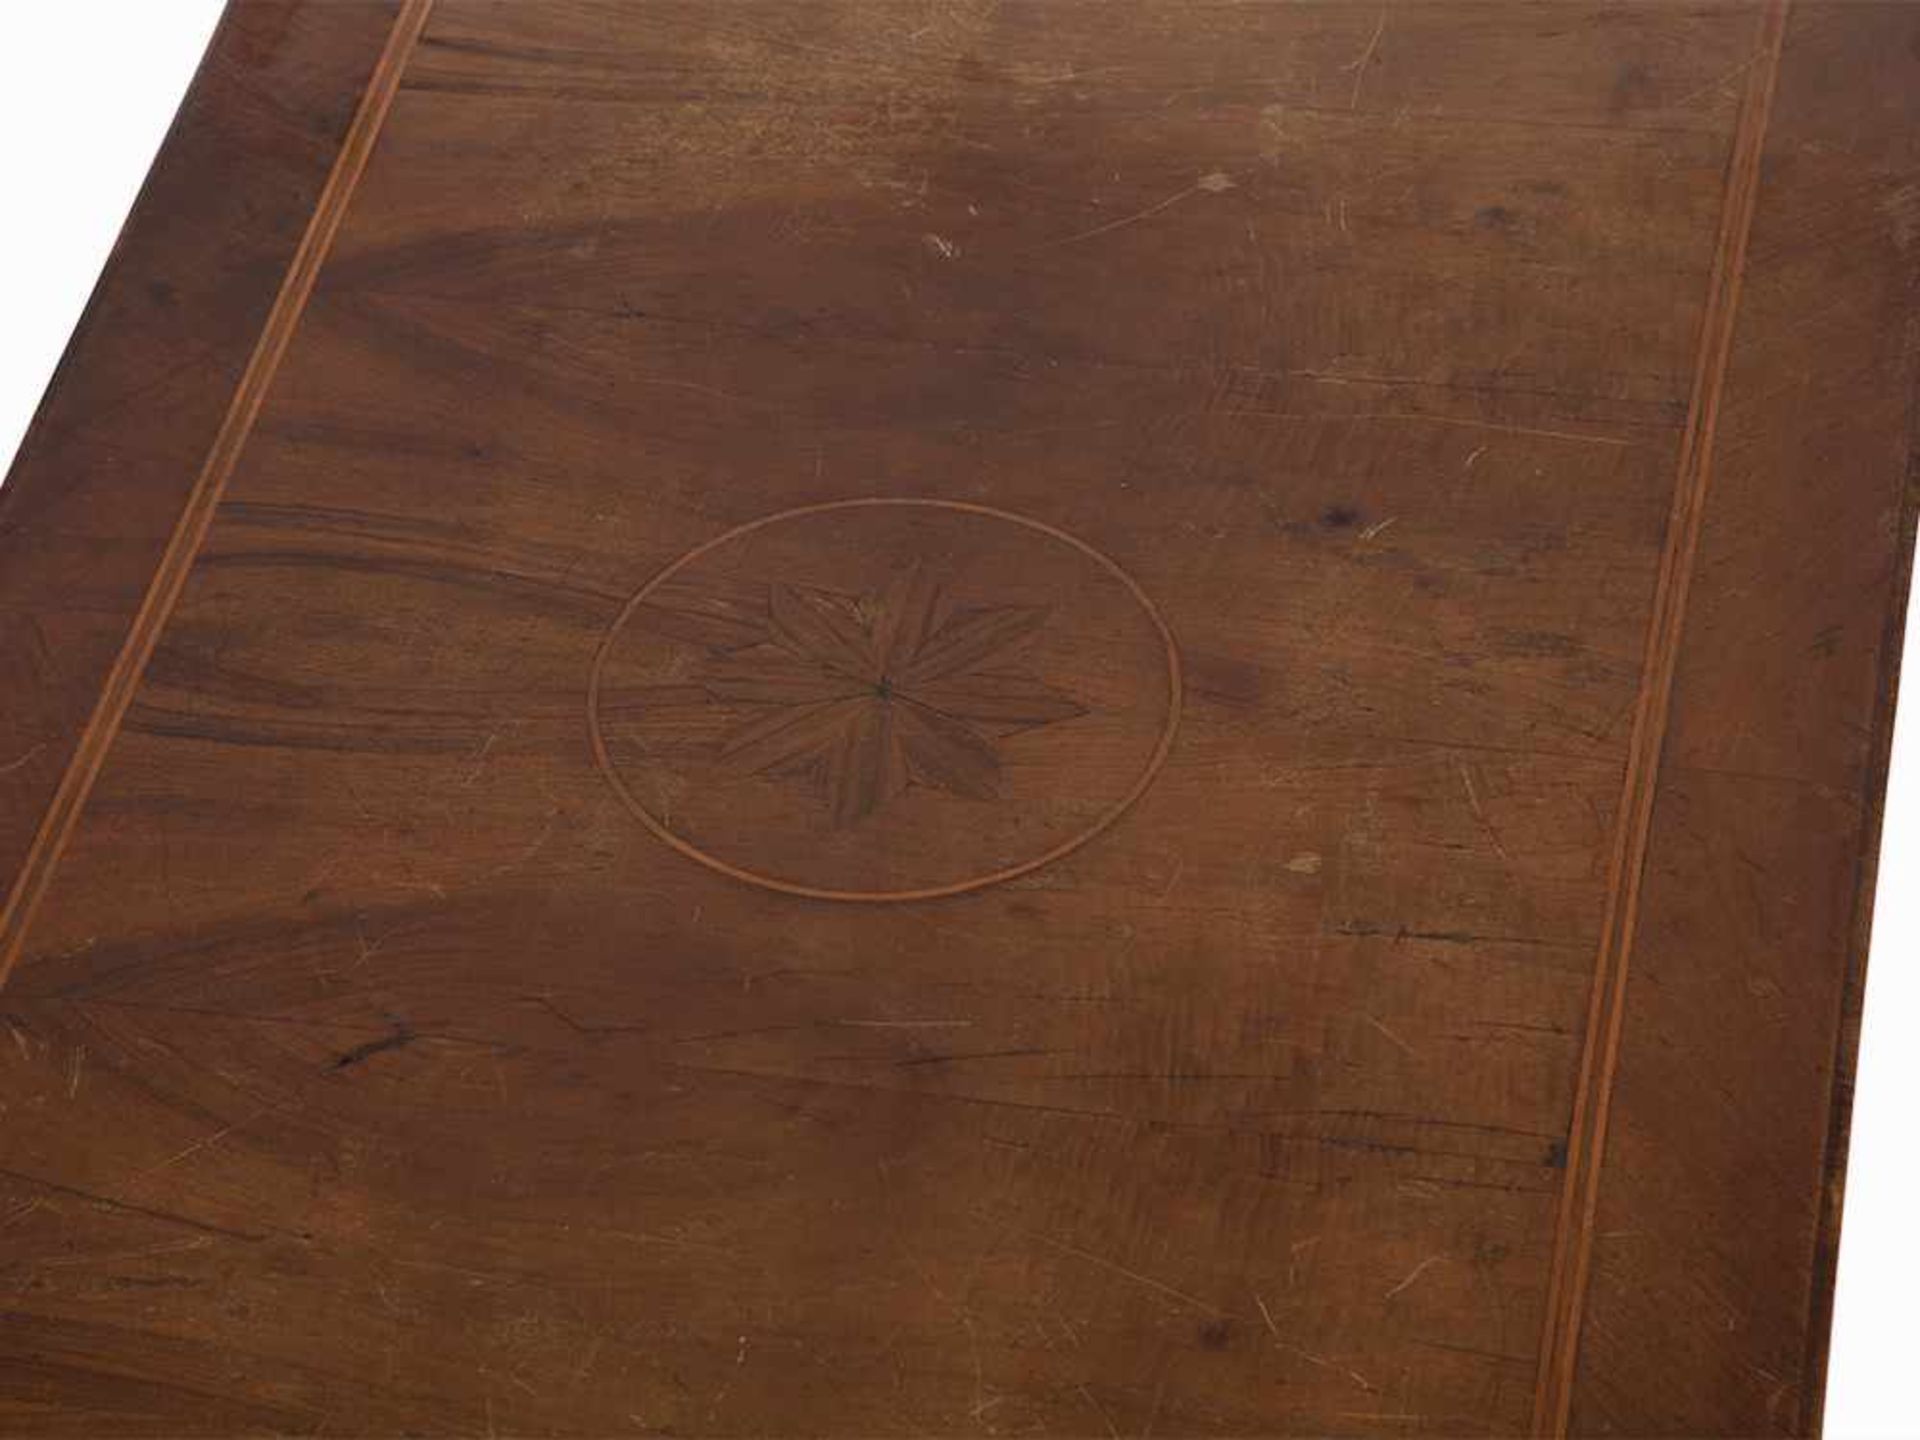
(87, 88)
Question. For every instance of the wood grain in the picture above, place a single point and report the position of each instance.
(1272, 536)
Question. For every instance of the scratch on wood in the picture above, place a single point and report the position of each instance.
(1376, 1024)
(1134, 1275)
(1379, 527)
(1098, 1409)
(1307, 1355)
(1359, 67)
(1332, 416)
(480, 760)
(1414, 1274)
(199, 1242)
(1267, 1315)
(13, 765)
(1473, 803)
(1714, 84)
(205, 1142)
(672, 1242)
(530, 849)
(1212, 183)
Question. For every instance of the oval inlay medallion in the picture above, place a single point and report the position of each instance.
(882, 700)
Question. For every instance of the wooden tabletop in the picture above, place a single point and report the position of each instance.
(887, 718)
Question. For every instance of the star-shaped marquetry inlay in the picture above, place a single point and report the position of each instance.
(822, 701)
(867, 695)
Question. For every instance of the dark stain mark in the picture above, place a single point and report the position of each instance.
(1226, 680)
(1557, 1154)
(1340, 517)
(152, 1282)
(1538, 644)
(1399, 934)
(162, 293)
(1631, 86)
(400, 1038)
(960, 1056)
(580, 1027)
(1496, 217)
(1215, 1335)
(109, 1203)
